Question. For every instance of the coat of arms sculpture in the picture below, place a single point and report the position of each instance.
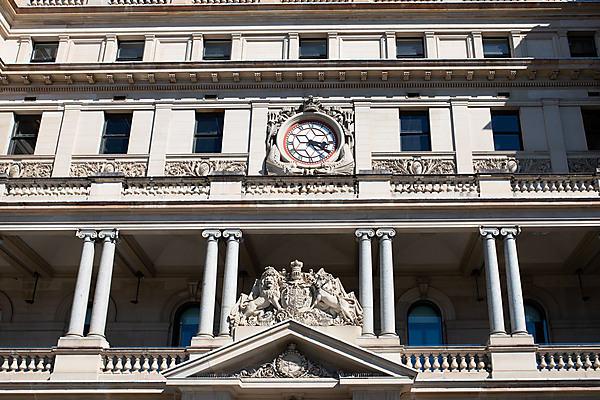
(313, 298)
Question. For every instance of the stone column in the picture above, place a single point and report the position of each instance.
(492, 280)
(103, 282)
(386, 283)
(209, 283)
(230, 276)
(83, 283)
(365, 273)
(513, 281)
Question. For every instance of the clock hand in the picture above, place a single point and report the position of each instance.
(318, 145)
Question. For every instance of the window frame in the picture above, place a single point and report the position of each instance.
(176, 334)
(506, 133)
(497, 38)
(434, 307)
(407, 39)
(197, 134)
(582, 35)
(122, 42)
(542, 313)
(105, 136)
(321, 57)
(33, 49)
(18, 136)
(421, 113)
(209, 41)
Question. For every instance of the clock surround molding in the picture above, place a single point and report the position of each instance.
(340, 121)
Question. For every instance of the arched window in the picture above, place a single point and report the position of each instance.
(185, 326)
(424, 324)
(535, 320)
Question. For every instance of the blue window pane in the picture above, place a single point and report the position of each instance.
(116, 134)
(415, 142)
(535, 322)
(505, 122)
(495, 48)
(209, 133)
(424, 325)
(313, 48)
(507, 142)
(130, 51)
(409, 48)
(414, 123)
(217, 49)
(188, 325)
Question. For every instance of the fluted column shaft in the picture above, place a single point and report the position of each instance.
(365, 273)
(209, 283)
(230, 277)
(513, 281)
(386, 283)
(492, 280)
(103, 282)
(82, 285)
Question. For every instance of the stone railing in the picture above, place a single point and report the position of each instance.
(57, 2)
(26, 361)
(299, 186)
(141, 361)
(199, 187)
(438, 186)
(571, 358)
(45, 189)
(138, 2)
(554, 185)
(463, 359)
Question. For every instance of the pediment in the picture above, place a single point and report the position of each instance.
(292, 351)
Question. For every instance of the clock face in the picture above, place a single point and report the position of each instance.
(310, 142)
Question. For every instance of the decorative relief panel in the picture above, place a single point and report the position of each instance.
(455, 185)
(514, 165)
(203, 167)
(48, 189)
(417, 166)
(127, 168)
(310, 140)
(299, 187)
(579, 165)
(316, 299)
(166, 189)
(26, 169)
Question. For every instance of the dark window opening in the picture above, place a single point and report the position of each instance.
(44, 52)
(25, 134)
(186, 324)
(410, 48)
(424, 324)
(582, 45)
(313, 48)
(115, 139)
(496, 48)
(414, 131)
(217, 49)
(535, 321)
(591, 126)
(130, 51)
(208, 136)
(507, 131)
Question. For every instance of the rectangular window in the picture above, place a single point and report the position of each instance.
(414, 131)
(409, 48)
(130, 51)
(217, 49)
(25, 134)
(313, 48)
(115, 139)
(209, 132)
(496, 48)
(44, 52)
(582, 45)
(507, 131)
(591, 125)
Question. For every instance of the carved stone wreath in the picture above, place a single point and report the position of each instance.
(127, 168)
(343, 162)
(417, 166)
(514, 165)
(202, 167)
(26, 169)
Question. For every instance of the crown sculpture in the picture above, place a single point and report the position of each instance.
(316, 299)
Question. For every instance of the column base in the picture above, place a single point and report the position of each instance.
(78, 358)
(204, 344)
(82, 342)
(386, 346)
(513, 356)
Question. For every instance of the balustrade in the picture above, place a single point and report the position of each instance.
(26, 361)
(554, 185)
(445, 359)
(141, 361)
(568, 358)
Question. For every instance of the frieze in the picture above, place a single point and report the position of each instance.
(416, 166)
(514, 165)
(203, 167)
(299, 187)
(316, 299)
(26, 169)
(289, 364)
(48, 189)
(166, 189)
(127, 168)
(579, 165)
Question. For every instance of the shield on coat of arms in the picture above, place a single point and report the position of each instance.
(296, 298)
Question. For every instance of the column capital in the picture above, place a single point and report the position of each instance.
(211, 234)
(510, 231)
(109, 234)
(364, 234)
(385, 233)
(487, 231)
(233, 234)
(87, 234)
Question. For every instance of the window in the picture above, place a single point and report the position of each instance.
(185, 326)
(130, 51)
(582, 45)
(535, 321)
(414, 131)
(115, 139)
(591, 125)
(313, 48)
(25, 134)
(217, 49)
(496, 48)
(209, 133)
(409, 48)
(44, 52)
(507, 131)
(424, 324)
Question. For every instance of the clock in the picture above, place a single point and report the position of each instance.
(310, 142)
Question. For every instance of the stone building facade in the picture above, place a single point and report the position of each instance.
(243, 199)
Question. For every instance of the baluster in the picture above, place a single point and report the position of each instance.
(163, 364)
(587, 364)
(146, 364)
(463, 363)
(597, 362)
(427, 365)
(409, 362)
(23, 365)
(436, 362)
(481, 364)
(31, 365)
(552, 363)
(570, 363)
(48, 366)
(543, 364)
(154, 366)
(41, 364)
(472, 364)
(5, 366)
(561, 362)
(127, 367)
(173, 360)
(454, 364)
(110, 366)
(418, 365)
(578, 363)
(445, 364)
